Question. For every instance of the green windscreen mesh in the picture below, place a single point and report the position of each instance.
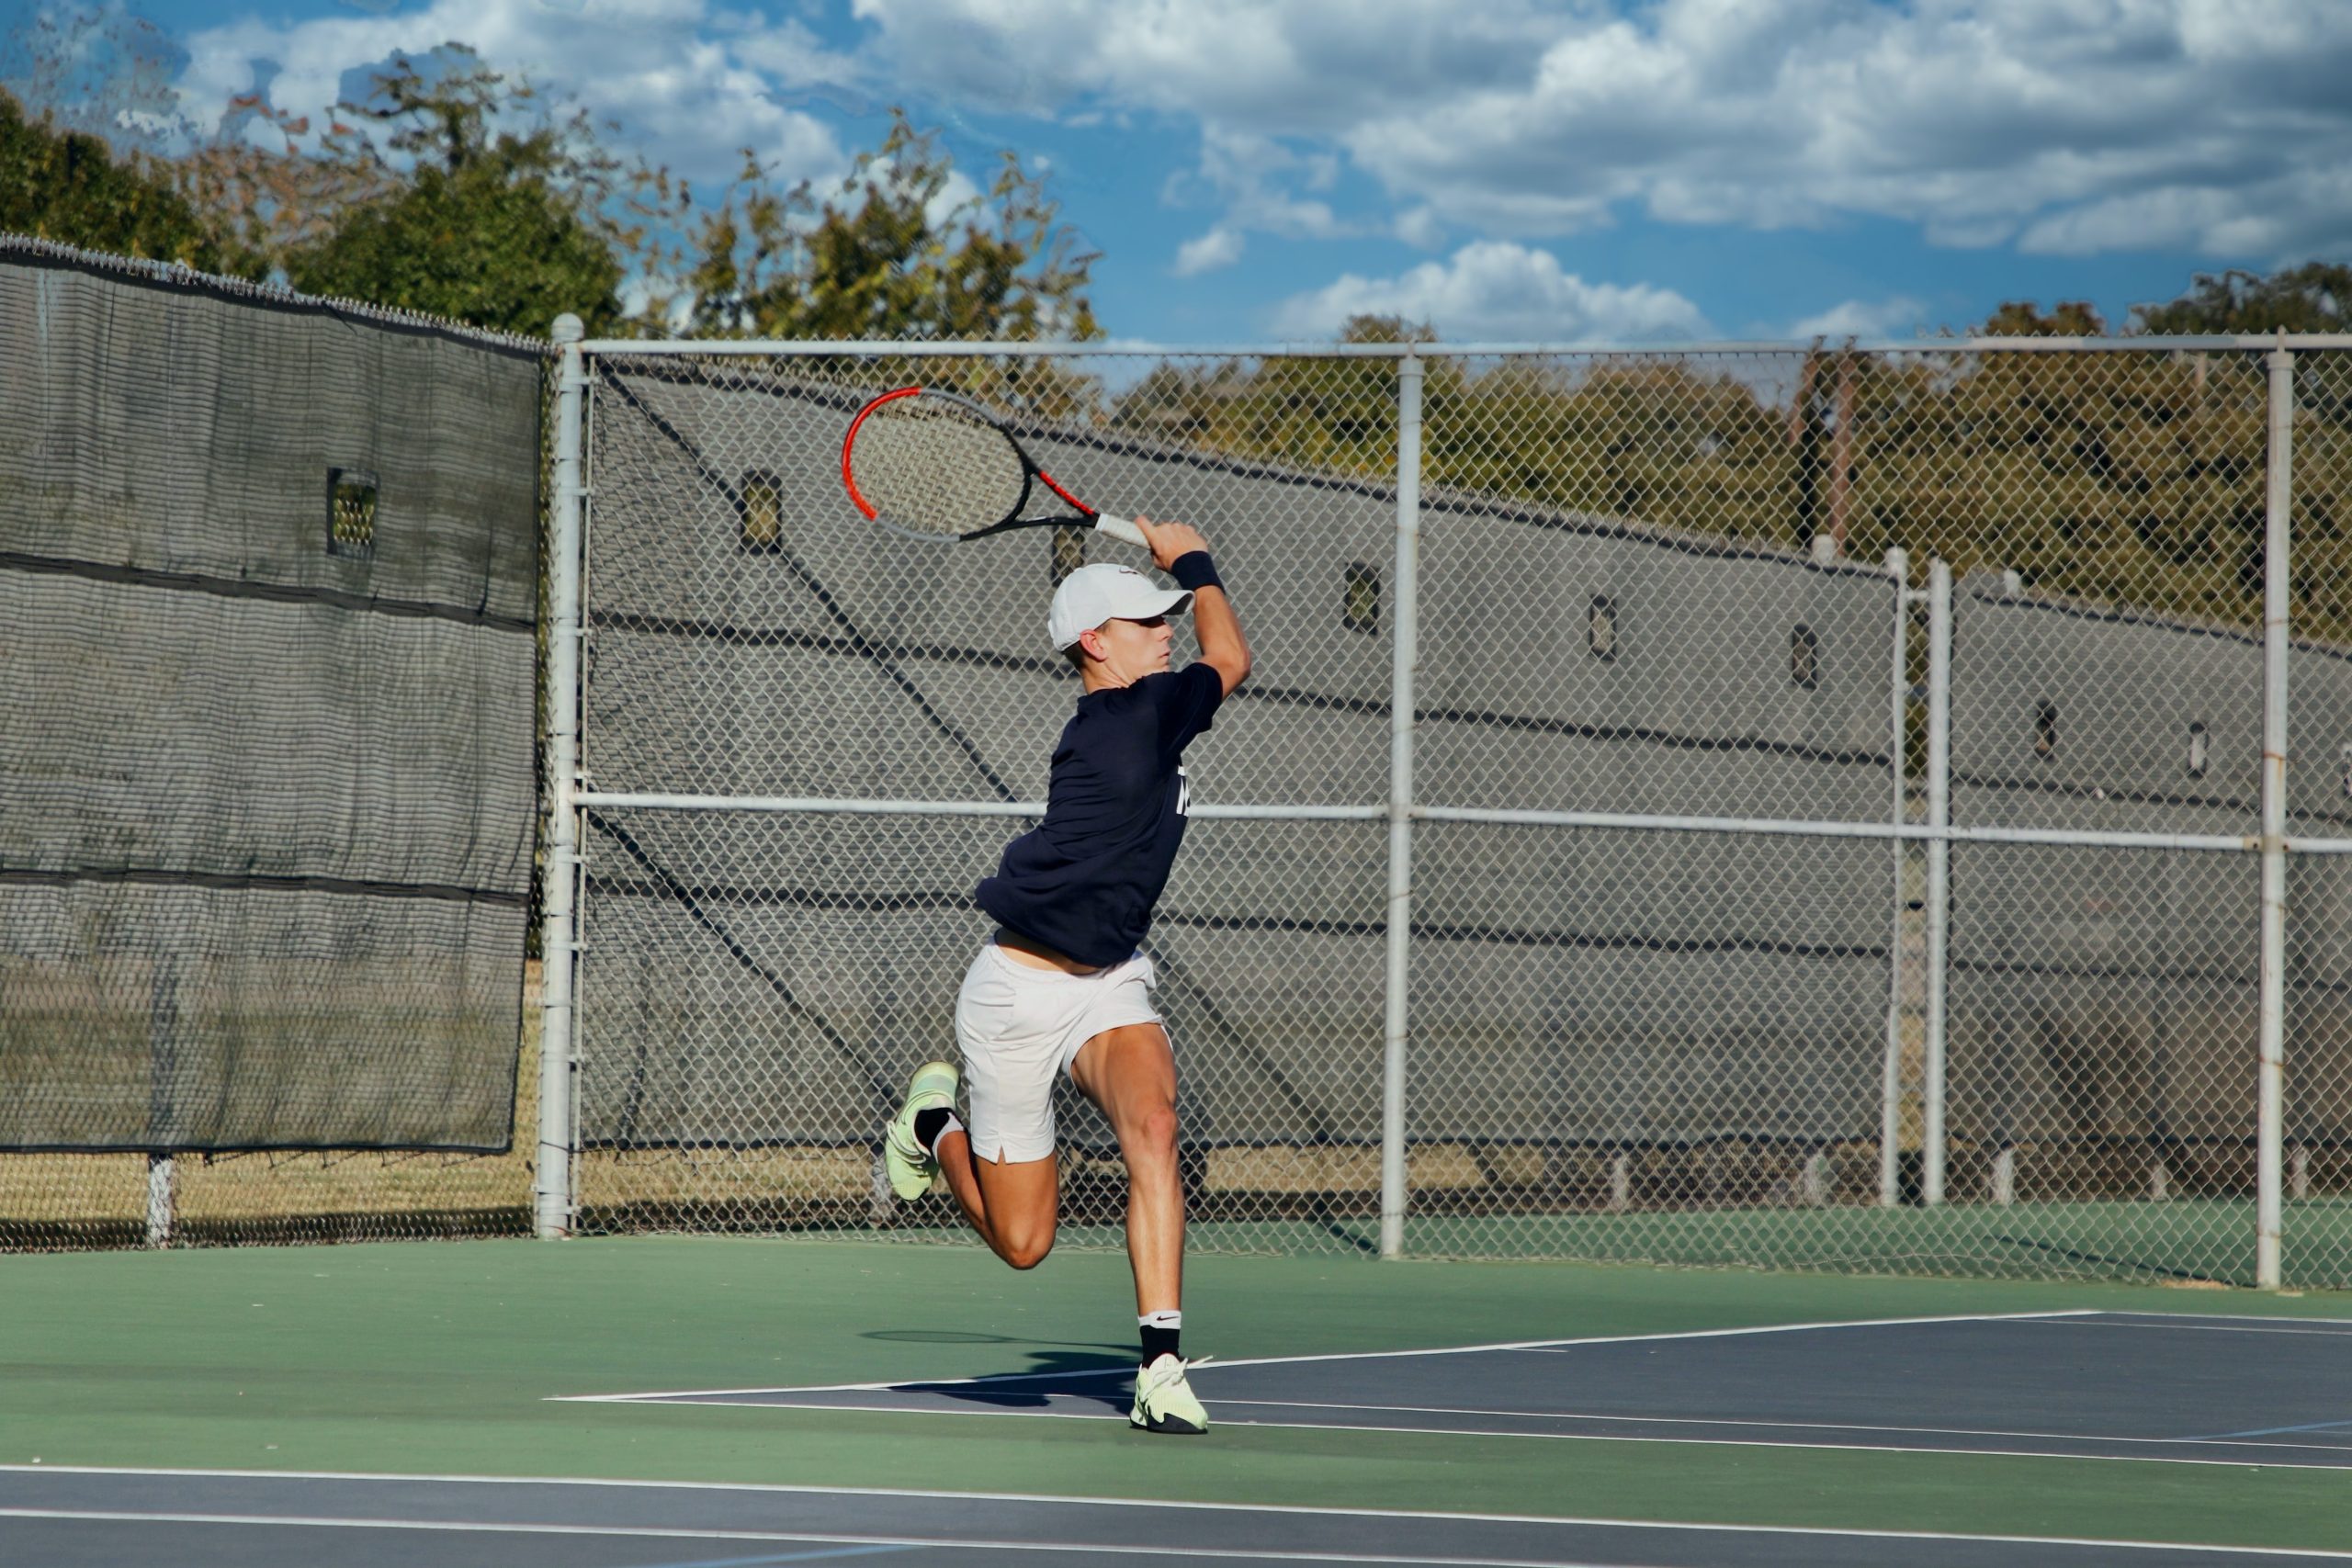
(267, 585)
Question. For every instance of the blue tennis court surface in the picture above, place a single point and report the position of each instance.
(2214, 1390)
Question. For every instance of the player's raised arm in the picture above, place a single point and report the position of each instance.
(1224, 648)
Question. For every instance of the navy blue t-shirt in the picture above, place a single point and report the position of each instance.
(1084, 881)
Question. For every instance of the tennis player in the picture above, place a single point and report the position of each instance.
(1060, 987)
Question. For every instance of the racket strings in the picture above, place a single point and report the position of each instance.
(929, 467)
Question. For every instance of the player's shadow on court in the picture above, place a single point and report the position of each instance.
(1067, 1369)
(1055, 1376)
(1110, 1355)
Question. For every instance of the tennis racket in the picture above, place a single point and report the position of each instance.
(935, 465)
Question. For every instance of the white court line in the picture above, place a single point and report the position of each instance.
(1945, 1450)
(2152, 1320)
(2275, 1431)
(897, 1543)
(2228, 1439)
(2225, 1317)
(692, 1395)
(1571, 1521)
(2225, 1440)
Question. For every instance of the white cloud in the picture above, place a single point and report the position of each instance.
(1421, 228)
(1901, 316)
(1261, 182)
(1495, 290)
(2083, 124)
(2306, 211)
(694, 84)
(1220, 247)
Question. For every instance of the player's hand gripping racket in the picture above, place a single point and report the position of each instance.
(937, 465)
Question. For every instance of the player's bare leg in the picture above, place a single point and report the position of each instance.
(1012, 1204)
(1130, 1074)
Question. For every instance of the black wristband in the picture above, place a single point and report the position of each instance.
(1194, 570)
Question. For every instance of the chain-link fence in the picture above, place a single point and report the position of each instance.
(1796, 808)
(269, 584)
(1635, 841)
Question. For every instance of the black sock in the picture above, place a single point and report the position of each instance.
(930, 1125)
(1160, 1331)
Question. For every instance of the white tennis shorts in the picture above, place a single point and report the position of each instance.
(1021, 1028)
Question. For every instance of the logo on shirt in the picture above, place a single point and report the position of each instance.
(1183, 792)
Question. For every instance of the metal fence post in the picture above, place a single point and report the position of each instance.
(2270, 1092)
(163, 1200)
(1938, 890)
(1404, 658)
(552, 1194)
(163, 1101)
(1890, 1114)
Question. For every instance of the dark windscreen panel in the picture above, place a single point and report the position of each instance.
(268, 580)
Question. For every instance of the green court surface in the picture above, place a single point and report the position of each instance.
(442, 1359)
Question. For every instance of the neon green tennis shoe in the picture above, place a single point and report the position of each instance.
(909, 1163)
(1165, 1402)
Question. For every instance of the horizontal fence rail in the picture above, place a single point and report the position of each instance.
(891, 349)
(1280, 812)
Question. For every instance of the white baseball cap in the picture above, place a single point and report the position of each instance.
(1094, 594)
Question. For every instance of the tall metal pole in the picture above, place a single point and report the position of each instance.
(1406, 655)
(1890, 1111)
(1938, 893)
(2271, 1083)
(1842, 454)
(551, 1197)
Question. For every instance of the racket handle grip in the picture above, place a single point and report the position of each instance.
(1119, 528)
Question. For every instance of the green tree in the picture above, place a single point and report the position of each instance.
(2314, 298)
(1337, 415)
(1669, 442)
(456, 190)
(471, 245)
(2023, 318)
(881, 259)
(502, 219)
(2124, 476)
(69, 187)
(1653, 440)
(267, 197)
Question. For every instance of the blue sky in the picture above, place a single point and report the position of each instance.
(1586, 170)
